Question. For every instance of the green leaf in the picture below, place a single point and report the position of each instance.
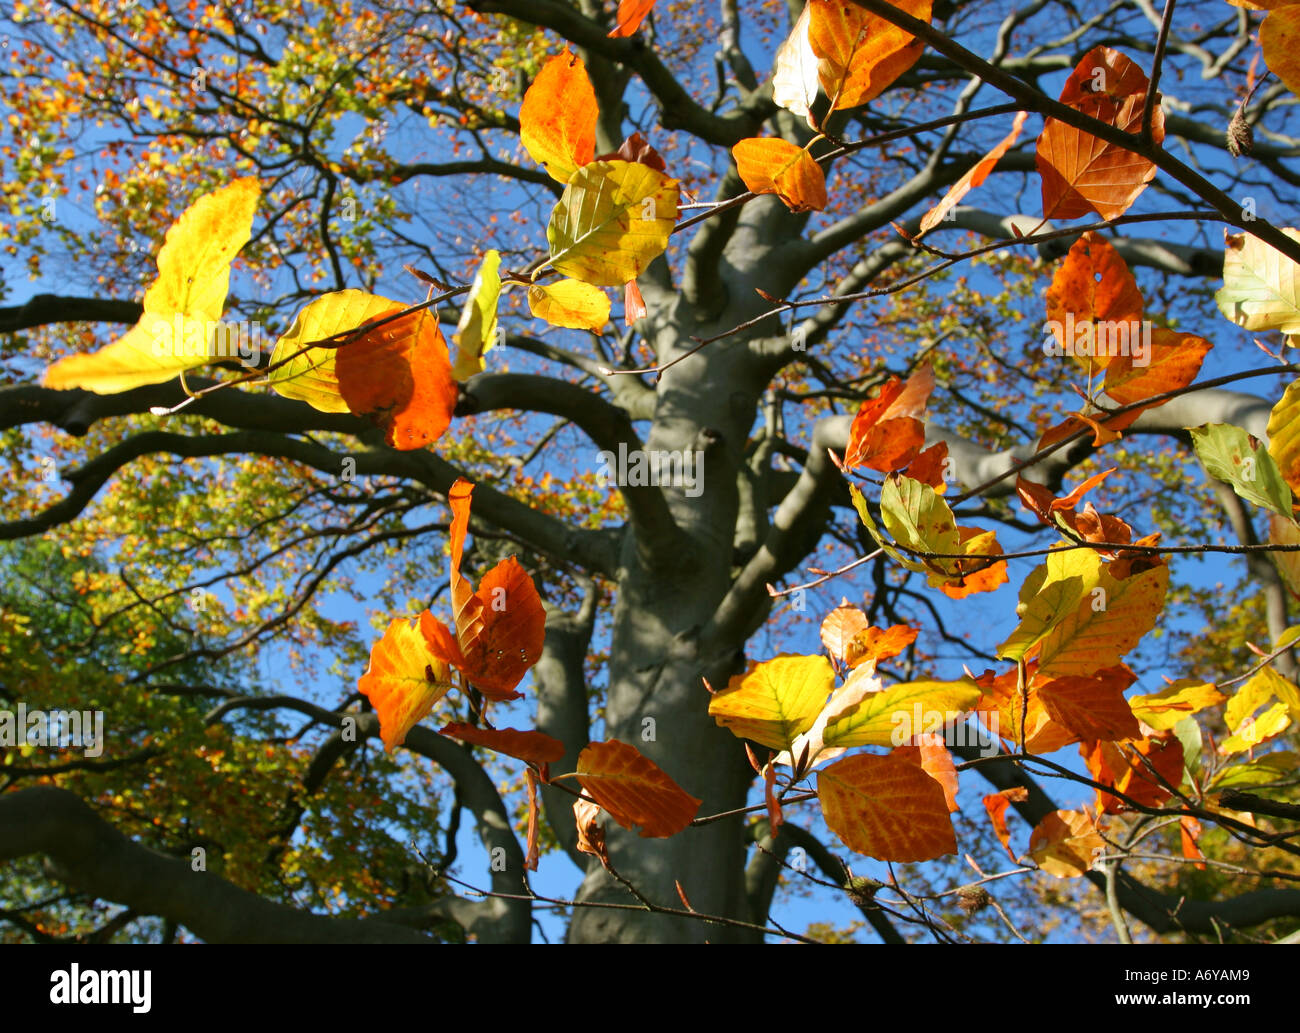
(1242, 460)
(613, 219)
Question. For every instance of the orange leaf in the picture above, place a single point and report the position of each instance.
(399, 375)
(500, 629)
(872, 644)
(936, 760)
(530, 746)
(530, 861)
(635, 790)
(839, 627)
(996, 804)
(859, 53)
(770, 165)
(974, 176)
(886, 434)
(1127, 770)
(1082, 174)
(1092, 706)
(1005, 711)
(1190, 834)
(1065, 842)
(1172, 362)
(591, 837)
(403, 682)
(775, 819)
(631, 13)
(975, 574)
(886, 807)
(930, 466)
(507, 638)
(557, 121)
(1094, 285)
(633, 304)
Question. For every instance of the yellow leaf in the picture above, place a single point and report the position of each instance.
(613, 219)
(476, 332)
(182, 308)
(1164, 709)
(1284, 435)
(1077, 618)
(894, 716)
(570, 303)
(774, 702)
(1064, 844)
(1280, 38)
(404, 680)
(308, 374)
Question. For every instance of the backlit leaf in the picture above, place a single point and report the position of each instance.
(770, 165)
(973, 177)
(886, 807)
(1065, 842)
(476, 332)
(403, 681)
(1232, 455)
(1284, 436)
(179, 328)
(570, 303)
(773, 702)
(894, 716)
(859, 53)
(634, 790)
(1261, 286)
(530, 746)
(613, 219)
(557, 120)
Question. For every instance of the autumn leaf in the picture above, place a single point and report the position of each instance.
(306, 373)
(477, 330)
(634, 790)
(974, 176)
(859, 53)
(403, 681)
(530, 746)
(886, 807)
(872, 644)
(1279, 36)
(399, 375)
(975, 574)
(1082, 174)
(1137, 769)
(633, 304)
(1078, 618)
(1064, 843)
(1248, 725)
(570, 303)
(839, 627)
(1020, 718)
(591, 836)
(1160, 711)
(794, 70)
(894, 716)
(501, 628)
(557, 120)
(1169, 361)
(1091, 706)
(932, 753)
(631, 13)
(613, 219)
(180, 326)
(534, 822)
(931, 467)
(770, 165)
(887, 433)
(1282, 531)
(1092, 285)
(1261, 286)
(774, 701)
(1284, 436)
(996, 805)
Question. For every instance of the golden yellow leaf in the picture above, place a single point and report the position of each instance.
(570, 303)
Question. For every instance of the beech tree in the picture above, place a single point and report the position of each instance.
(604, 355)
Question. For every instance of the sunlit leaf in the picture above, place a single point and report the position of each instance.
(634, 790)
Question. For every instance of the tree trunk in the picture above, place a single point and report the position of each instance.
(657, 700)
